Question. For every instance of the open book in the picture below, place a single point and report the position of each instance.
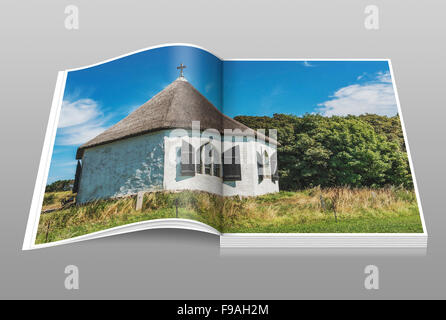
(263, 153)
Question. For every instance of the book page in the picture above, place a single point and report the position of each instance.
(335, 159)
(133, 139)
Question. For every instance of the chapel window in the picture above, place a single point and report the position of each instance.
(209, 163)
(232, 164)
(266, 165)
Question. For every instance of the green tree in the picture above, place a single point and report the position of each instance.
(366, 150)
(60, 185)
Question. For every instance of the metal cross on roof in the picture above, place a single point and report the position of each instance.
(181, 67)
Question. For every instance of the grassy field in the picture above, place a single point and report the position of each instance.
(334, 210)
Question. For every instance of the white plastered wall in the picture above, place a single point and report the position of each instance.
(248, 186)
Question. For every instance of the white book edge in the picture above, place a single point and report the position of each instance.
(323, 240)
(170, 223)
(44, 164)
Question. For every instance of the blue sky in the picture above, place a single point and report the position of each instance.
(100, 96)
(299, 87)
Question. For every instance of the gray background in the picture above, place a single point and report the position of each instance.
(183, 264)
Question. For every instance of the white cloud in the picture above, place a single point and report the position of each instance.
(361, 76)
(66, 164)
(77, 112)
(384, 77)
(307, 64)
(80, 134)
(80, 121)
(375, 96)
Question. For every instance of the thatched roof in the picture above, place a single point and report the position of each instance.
(174, 107)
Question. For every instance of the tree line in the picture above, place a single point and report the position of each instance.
(60, 185)
(356, 151)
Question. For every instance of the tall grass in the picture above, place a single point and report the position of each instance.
(52, 200)
(311, 210)
(104, 214)
(294, 211)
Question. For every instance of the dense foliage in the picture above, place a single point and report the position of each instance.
(356, 151)
(60, 185)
